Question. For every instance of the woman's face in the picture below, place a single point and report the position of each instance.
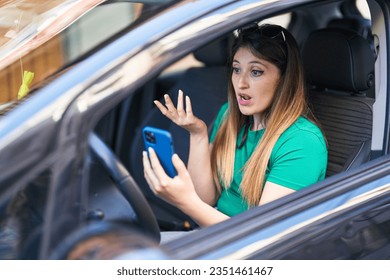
(254, 81)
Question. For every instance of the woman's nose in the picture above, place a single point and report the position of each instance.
(243, 81)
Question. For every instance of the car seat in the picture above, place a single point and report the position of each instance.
(339, 65)
(362, 26)
(207, 88)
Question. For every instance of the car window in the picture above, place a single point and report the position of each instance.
(70, 45)
(363, 8)
(283, 20)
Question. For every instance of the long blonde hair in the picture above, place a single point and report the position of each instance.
(276, 45)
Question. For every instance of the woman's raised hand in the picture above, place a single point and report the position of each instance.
(180, 116)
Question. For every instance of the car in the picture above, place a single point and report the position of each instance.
(71, 181)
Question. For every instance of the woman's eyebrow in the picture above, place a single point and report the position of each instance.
(251, 62)
(256, 62)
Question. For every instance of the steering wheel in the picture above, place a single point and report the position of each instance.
(126, 185)
(107, 240)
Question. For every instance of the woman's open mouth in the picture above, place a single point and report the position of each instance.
(244, 99)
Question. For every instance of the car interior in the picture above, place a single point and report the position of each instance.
(339, 53)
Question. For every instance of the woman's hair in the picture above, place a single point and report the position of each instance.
(276, 45)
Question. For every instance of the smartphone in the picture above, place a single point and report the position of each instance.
(161, 141)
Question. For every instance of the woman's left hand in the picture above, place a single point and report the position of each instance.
(178, 191)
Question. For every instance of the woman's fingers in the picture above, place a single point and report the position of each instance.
(180, 105)
(179, 166)
(190, 114)
(169, 105)
(161, 107)
(155, 169)
(162, 177)
(149, 175)
(182, 115)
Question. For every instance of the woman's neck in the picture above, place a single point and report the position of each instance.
(258, 123)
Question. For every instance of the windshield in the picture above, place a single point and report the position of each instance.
(40, 38)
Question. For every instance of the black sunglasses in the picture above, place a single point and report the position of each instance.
(272, 31)
(267, 31)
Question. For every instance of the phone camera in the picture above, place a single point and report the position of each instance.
(150, 137)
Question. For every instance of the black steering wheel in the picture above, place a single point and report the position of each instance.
(126, 185)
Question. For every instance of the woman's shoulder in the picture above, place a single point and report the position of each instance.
(304, 130)
(302, 123)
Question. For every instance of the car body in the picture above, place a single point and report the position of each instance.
(60, 146)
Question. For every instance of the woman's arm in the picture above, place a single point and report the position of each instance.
(273, 191)
(179, 191)
(199, 164)
(199, 167)
(204, 214)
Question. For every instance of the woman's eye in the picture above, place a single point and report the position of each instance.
(256, 73)
(236, 70)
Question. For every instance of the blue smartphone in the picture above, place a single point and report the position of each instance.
(161, 141)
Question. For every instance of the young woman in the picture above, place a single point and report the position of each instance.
(265, 143)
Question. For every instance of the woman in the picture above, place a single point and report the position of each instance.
(265, 143)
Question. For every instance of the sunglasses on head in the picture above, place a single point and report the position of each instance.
(267, 31)
(272, 31)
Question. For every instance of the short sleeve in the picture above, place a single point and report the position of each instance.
(218, 121)
(299, 160)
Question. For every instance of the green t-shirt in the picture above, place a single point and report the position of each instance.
(298, 159)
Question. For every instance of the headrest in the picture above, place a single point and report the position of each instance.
(339, 59)
(215, 53)
(361, 25)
